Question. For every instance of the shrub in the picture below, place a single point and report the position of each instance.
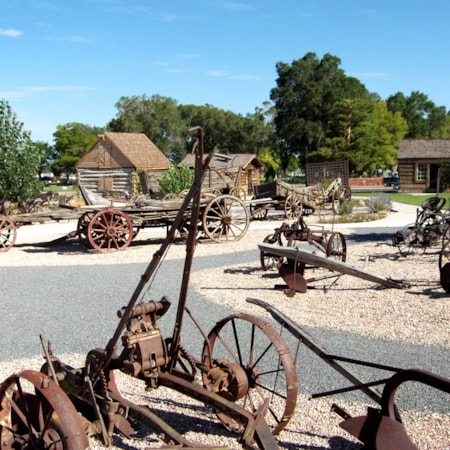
(176, 179)
(378, 203)
(347, 207)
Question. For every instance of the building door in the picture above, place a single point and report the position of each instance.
(434, 174)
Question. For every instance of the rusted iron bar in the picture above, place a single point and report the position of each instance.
(158, 255)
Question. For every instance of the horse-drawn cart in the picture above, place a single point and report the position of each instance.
(293, 200)
(108, 228)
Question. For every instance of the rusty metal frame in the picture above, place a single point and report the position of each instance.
(379, 428)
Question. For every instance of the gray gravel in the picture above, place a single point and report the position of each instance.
(71, 296)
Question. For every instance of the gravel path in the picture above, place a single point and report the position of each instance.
(70, 296)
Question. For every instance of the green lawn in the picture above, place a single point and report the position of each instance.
(409, 199)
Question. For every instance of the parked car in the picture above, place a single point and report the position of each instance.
(391, 182)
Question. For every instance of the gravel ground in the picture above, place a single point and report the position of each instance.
(412, 321)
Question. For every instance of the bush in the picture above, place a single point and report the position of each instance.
(347, 207)
(378, 203)
(176, 180)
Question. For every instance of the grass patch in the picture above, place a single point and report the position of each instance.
(408, 199)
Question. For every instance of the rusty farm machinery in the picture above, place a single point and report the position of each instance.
(245, 373)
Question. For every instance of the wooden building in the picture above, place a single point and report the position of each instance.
(419, 161)
(118, 162)
(228, 171)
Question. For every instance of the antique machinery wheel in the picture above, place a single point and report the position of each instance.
(35, 413)
(407, 239)
(110, 230)
(8, 233)
(337, 247)
(82, 227)
(250, 363)
(293, 207)
(225, 218)
(269, 261)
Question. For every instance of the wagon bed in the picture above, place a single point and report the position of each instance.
(108, 228)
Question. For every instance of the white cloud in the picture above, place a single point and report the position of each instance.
(10, 32)
(217, 73)
(237, 6)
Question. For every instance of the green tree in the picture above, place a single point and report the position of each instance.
(226, 131)
(49, 155)
(21, 159)
(424, 118)
(305, 98)
(366, 134)
(158, 118)
(72, 141)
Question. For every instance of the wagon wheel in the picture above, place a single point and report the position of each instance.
(238, 192)
(337, 247)
(293, 207)
(258, 213)
(342, 193)
(110, 230)
(42, 419)
(269, 261)
(82, 227)
(225, 218)
(8, 233)
(249, 363)
(171, 196)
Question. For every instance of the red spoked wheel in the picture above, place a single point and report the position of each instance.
(110, 230)
(337, 247)
(35, 413)
(249, 364)
(8, 233)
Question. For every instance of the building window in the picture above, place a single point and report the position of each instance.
(421, 172)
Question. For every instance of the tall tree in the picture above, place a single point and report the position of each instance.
(305, 97)
(157, 117)
(364, 133)
(72, 141)
(424, 118)
(20, 159)
(228, 131)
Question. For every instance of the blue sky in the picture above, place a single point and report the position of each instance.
(71, 60)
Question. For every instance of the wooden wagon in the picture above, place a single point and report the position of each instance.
(295, 200)
(112, 227)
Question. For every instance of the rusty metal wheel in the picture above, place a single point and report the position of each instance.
(337, 247)
(225, 218)
(249, 364)
(8, 233)
(35, 413)
(110, 230)
(293, 206)
(269, 261)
